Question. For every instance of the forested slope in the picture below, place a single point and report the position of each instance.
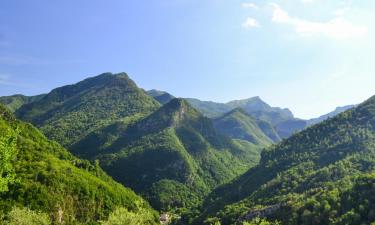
(311, 178)
(41, 175)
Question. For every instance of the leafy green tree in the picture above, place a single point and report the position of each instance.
(122, 216)
(24, 216)
(259, 221)
(7, 154)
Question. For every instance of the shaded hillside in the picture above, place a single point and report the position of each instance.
(161, 96)
(49, 179)
(15, 102)
(174, 156)
(69, 113)
(309, 175)
(238, 124)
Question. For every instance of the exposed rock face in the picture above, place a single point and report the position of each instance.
(261, 213)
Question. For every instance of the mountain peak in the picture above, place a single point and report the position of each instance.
(161, 96)
(179, 108)
(91, 102)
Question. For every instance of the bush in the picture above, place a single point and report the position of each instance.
(26, 216)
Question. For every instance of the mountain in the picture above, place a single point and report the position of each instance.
(15, 102)
(337, 111)
(173, 156)
(69, 113)
(161, 96)
(258, 108)
(282, 120)
(209, 108)
(238, 124)
(46, 178)
(322, 175)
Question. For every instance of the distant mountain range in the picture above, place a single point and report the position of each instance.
(337, 111)
(282, 120)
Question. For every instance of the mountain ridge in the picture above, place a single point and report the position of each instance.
(332, 154)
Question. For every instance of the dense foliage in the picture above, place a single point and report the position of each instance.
(15, 102)
(49, 180)
(69, 113)
(24, 216)
(174, 156)
(323, 175)
(239, 125)
(7, 155)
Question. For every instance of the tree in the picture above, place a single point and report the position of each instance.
(7, 154)
(26, 216)
(259, 221)
(122, 216)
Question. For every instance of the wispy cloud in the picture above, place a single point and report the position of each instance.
(250, 23)
(249, 5)
(337, 28)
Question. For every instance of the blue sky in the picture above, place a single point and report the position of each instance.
(307, 55)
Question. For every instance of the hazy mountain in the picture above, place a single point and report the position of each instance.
(337, 111)
(161, 96)
(49, 179)
(209, 108)
(322, 175)
(14, 102)
(282, 120)
(258, 108)
(240, 125)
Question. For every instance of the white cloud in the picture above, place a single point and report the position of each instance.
(250, 23)
(249, 5)
(337, 28)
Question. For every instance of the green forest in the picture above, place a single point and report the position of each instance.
(105, 152)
